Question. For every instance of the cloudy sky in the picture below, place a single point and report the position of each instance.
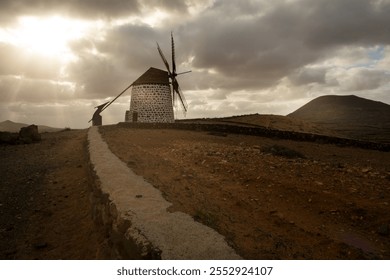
(59, 59)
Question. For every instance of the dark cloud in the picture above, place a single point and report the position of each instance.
(93, 9)
(251, 45)
(105, 68)
(269, 43)
(96, 77)
(347, 22)
(251, 49)
(133, 46)
(308, 75)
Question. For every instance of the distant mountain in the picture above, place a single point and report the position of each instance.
(351, 116)
(11, 126)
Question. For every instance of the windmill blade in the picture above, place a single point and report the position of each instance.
(173, 95)
(173, 56)
(100, 107)
(98, 110)
(185, 72)
(175, 89)
(164, 59)
(175, 85)
(178, 91)
(109, 103)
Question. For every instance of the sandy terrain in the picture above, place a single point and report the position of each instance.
(45, 211)
(303, 201)
(271, 199)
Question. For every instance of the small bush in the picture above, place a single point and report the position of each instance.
(205, 218)
(282, 151)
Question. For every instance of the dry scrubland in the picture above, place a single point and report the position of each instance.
(270, 198)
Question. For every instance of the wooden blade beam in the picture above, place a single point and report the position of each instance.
(109, 103)
(182, 98)
(98, 110)
(164, 59)
(173, 56)
(185, 72)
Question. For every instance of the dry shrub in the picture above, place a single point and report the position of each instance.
(282, 151)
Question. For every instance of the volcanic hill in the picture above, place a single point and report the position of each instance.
(351, 116)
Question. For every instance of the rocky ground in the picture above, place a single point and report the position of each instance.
(44, 200)
(271, 199)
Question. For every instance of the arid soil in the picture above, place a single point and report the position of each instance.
(270, 198)
(45, 211)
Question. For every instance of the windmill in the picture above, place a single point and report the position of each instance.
(152, 99)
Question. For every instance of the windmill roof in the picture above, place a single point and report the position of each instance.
(153, 76)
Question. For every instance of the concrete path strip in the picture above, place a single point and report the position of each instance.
(142, 209)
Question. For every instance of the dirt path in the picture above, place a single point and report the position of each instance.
(331, 204)
(44, 200)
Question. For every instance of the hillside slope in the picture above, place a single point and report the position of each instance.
(11, 126)
(274, 122)
(351, 116)
(283, 123)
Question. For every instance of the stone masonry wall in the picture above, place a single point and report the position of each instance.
(152, 103)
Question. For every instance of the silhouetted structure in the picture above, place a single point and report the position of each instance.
(152, 99)
(96, 118)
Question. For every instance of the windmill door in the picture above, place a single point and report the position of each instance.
(135, 116)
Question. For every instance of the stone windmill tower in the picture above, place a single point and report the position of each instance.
(154, 94)
(152, 99)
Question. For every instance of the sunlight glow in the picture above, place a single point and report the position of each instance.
(45, 36)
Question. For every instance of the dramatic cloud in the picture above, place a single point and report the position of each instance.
(253, 56)
(93, 9)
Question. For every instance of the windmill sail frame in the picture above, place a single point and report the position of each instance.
(172, 75)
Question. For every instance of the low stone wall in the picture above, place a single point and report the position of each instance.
(260, 131)
(135, 218)
(26, 135)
